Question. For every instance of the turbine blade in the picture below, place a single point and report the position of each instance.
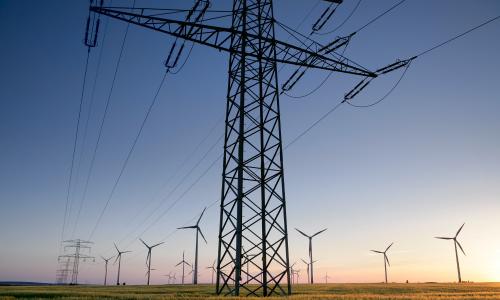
(199, 219)
(389, 247)
(376, 251)
(187, 227)
(460, 229)
(126, 252)
(443, 238)
(156, 245)
(302, 233)
(144, 243)
(460, 246)
(179, 263)
(319, 232)
(387, 259)
(116, 247)
(304, 261)
(199, 230)
(117, 257)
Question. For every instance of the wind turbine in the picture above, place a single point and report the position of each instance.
(326, 278)
(119, 259)
(308, 264)
(455, 241)
(248, 258)
(198, 230)
(192, 272)
(106, 260)
(183, 263)
(310, 249)
(292, 272)
(297, 275)
(148, 257)
(386, 260)
(213, 271)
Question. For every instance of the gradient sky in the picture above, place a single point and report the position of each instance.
(417, 165)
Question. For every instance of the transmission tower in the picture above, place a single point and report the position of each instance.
(78, 246)
(63, 272)
(253, 202)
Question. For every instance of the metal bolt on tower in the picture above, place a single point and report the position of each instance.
(253, 206)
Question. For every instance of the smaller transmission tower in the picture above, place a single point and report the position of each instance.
(63, 271)
(78, 246)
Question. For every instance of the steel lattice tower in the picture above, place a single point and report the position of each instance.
(253, 208)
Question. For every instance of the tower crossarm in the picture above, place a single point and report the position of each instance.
(220, 38)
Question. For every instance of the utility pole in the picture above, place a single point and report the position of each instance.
(78, 246)
(253, 202)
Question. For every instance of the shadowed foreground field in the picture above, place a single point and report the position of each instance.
(320, 291)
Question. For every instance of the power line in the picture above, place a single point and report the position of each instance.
(343, 22)
(131, 150)
(106, 109)
(82, 200)
(75, 144)
(334, 108)
(386, 95)
(175, 188)
(381, 15)
(319, 85)
(458, 36)
(174, 174)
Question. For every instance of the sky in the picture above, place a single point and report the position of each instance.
(416, 165)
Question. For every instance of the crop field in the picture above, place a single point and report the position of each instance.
(319, 291)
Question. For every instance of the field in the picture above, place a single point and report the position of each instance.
(300, 292)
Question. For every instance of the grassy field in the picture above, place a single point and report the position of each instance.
(300, 292)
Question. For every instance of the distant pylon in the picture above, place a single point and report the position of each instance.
(78, 246)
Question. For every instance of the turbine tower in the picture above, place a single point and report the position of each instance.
(183, 262)
(198, 230)
(119, 259)
(386, 260)
(455, 241)
(310, 237)
(148, 257)
(106, 260)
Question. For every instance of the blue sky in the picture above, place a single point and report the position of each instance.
(414, 166)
